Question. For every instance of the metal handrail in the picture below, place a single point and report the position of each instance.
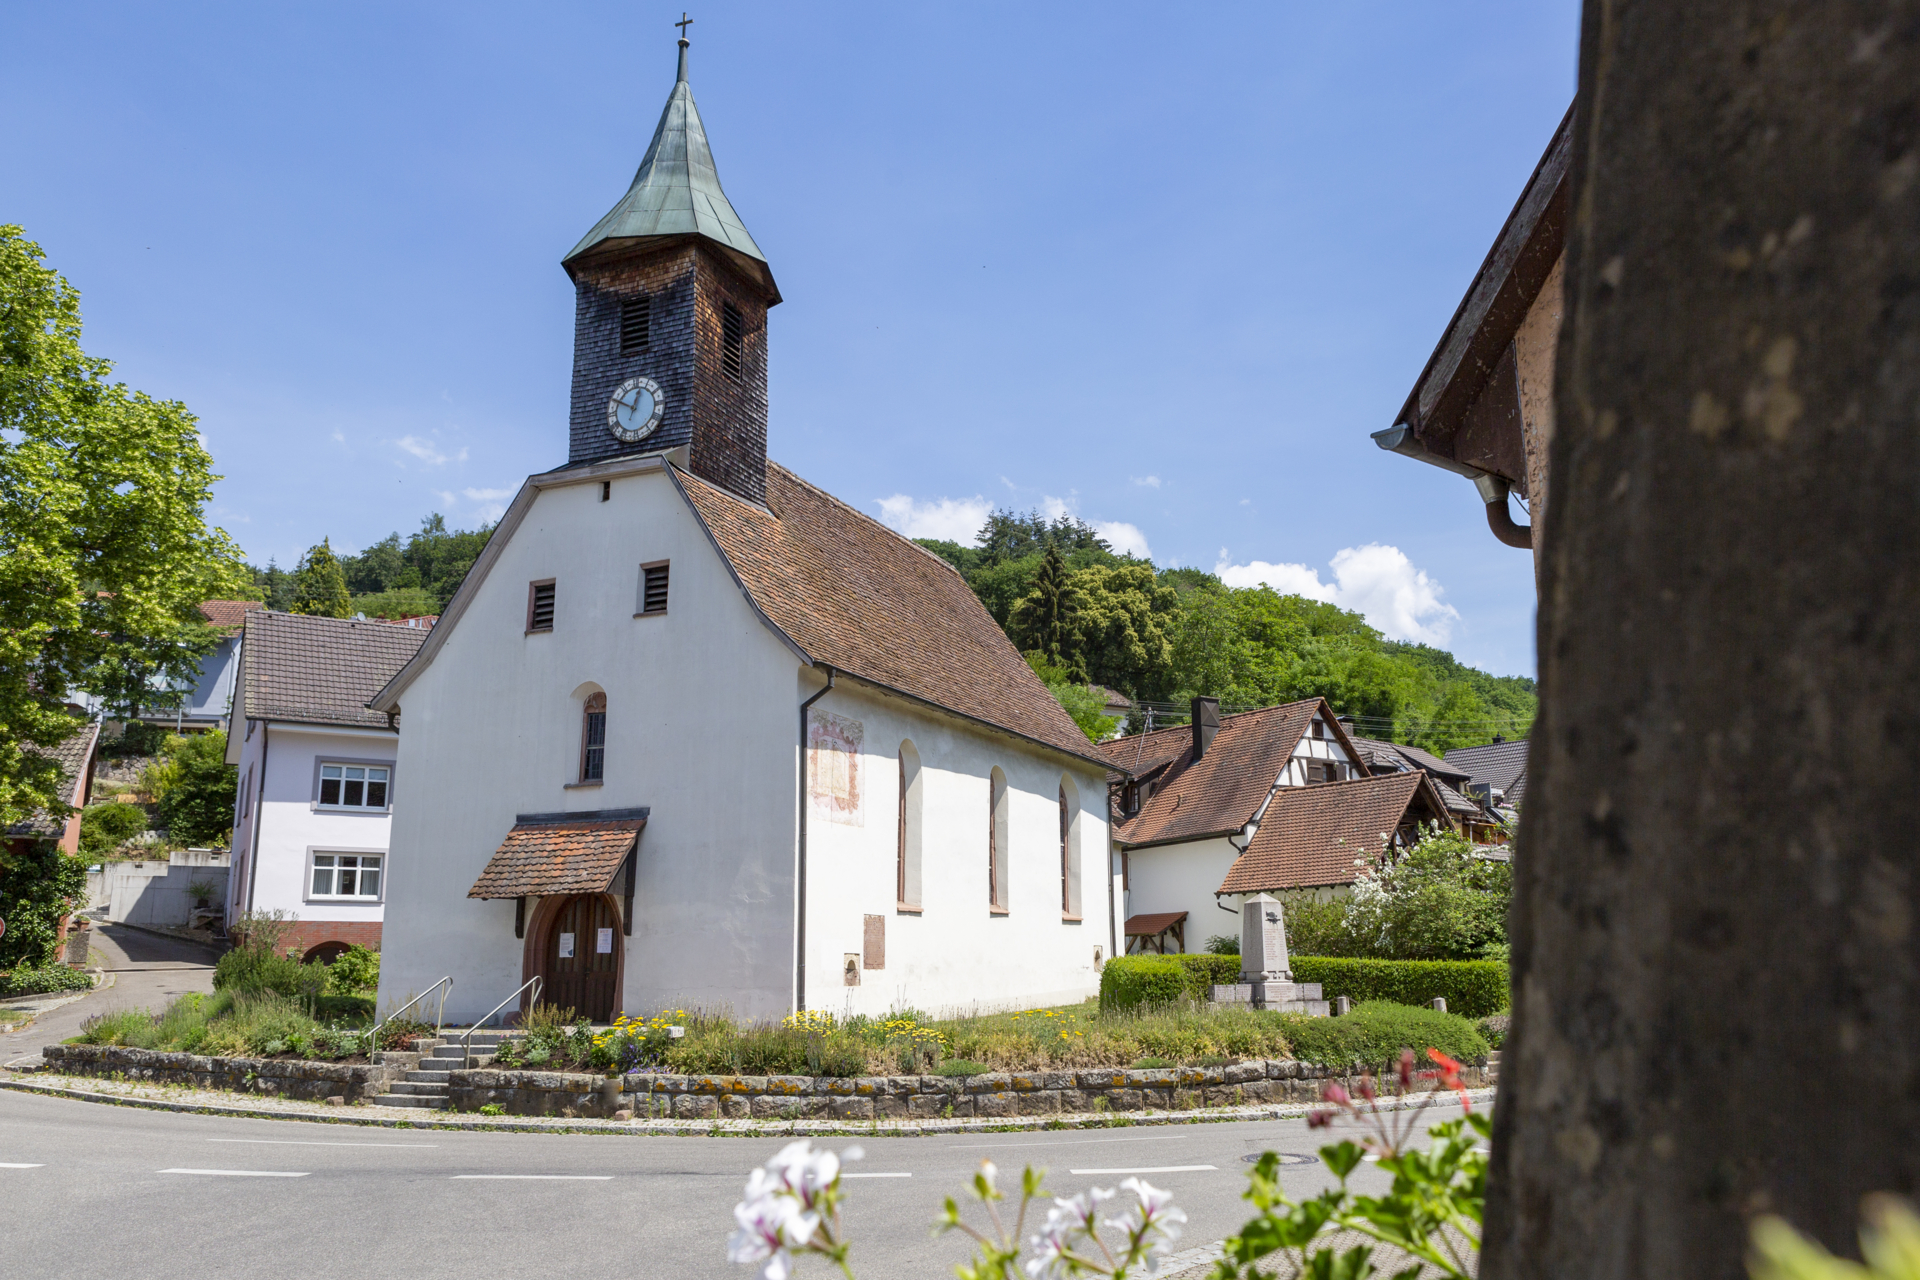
(466, 1041)
(444, 986)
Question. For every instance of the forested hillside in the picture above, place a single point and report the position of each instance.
(390, 579)
(1164, 636)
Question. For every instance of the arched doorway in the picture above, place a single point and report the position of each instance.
(325, 953)
(579, 955)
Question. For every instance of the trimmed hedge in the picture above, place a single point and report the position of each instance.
(34, 982)
(1375, 1033)
(1472, 988)
(1129, 981)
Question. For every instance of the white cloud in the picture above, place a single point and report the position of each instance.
(428, 452)
(1148, 482)
(1376, 581)
(339, 437)
(1053, 508)
(1124, 538)
(492, 502)
(954, 519)
(446, 496)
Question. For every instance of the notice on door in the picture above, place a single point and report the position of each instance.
(603, 942)
(566, 946)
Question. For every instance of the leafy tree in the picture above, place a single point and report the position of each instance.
(320, 585)
(400, 602)
(38, 885)
(1006, 536)
(105, 554)
(1087, 705)
(274, 586)
(1125, 620)
(194, 786)
(1436, 901)
(434, 561)
(1047, 617)
(104, 827)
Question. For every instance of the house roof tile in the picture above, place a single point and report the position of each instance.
(1499, 763)
(853, 594)
(228, 615)
(1314, 836)
(1221, 791)
(539, 858)
(309, 670)
(72, 754)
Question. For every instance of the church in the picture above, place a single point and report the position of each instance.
(695, 733)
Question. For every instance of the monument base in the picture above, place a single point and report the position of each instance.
(1281, 997)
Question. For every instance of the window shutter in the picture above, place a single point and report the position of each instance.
(653, 592)
(540, 612)
(733, 333)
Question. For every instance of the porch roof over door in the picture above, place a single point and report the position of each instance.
(547, 854)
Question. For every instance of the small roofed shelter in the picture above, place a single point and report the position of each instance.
(1152, 933)
(1483, 405)
(572, 870)
(1324, 837)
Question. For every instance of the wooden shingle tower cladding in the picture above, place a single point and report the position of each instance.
(670, 287)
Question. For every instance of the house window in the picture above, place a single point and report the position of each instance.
(353, 786)
(1069, 849)
(907, 864)
(540, 606)
(733, 336)
(593, 739)
(346, 875)
(997, 841)
(636, 319)
(653, 587)
(1130, 799)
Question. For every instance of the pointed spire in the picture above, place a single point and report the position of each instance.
(676, 192)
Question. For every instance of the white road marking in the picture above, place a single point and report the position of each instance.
(1162, 1168)
(296, 1142)
(22, 1166)
(533, 1177)
(876, 1175)
(1068, 1142)
(235, 1173)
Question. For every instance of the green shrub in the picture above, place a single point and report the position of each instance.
(1495, 1028)
(1224, 944)
(33, 982)
(195, 789)
(1205, 971)
(104, 827)
(1472, 988)
(1375, 1033)
(255, 969)
(354, 970)
(961, 1068)
(38, 885)
(1127, 982)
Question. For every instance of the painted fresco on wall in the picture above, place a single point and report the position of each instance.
(833, 769)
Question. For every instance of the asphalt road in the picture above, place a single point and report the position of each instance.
(116, 1191)
(148, 969)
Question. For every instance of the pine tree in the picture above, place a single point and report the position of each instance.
(1045, 621)
(319, 584)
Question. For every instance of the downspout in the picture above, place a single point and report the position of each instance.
(259, 815)
(800, 869)
(1247, 832)
(1399, 439)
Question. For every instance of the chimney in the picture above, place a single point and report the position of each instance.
(1206, 723)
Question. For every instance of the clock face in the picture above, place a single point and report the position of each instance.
(636, 409)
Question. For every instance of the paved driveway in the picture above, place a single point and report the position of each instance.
(148, 970)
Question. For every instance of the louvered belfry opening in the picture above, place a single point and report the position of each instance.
(653, 589)
(540, 607)
(636, 324)
(733, 334)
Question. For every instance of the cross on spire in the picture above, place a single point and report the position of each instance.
(683, 24)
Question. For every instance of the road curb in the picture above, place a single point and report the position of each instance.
(717, 1128)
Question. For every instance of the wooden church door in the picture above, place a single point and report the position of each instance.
(583, 957)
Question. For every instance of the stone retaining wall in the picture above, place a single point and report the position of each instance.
(1020, 1093)
(280, 1077)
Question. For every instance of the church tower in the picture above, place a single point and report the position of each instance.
(670, 319)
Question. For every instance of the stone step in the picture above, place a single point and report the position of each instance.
(419, 1088)
(412, 1100)
(429, 1077)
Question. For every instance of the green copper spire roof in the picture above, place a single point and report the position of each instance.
(676, 192)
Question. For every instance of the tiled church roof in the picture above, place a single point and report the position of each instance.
(853, 594)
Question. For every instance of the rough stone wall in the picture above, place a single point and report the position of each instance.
(724, 419)
(1019, 1093)
(280, 1078)
(1716, 943)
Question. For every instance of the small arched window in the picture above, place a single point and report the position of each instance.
(1069, 849)
(593, 739)
(997, 841)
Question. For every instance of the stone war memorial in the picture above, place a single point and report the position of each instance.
(1266, 981)
(1715, 952)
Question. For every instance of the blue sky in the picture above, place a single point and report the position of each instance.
(1164, 269)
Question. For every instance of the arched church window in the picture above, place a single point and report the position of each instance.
(907, 869)
(997, 841)
(593, 739)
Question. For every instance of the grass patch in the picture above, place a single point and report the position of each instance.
(34, 982)
(229, 1024)
(1154, 1064)
(962, 1068)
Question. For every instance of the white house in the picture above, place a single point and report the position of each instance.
(317, 774)
(1261, 802)
(670, 642)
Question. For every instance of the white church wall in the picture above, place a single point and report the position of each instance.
(701, 728)
(292, 822)
(1183, 877)
(955, 952)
